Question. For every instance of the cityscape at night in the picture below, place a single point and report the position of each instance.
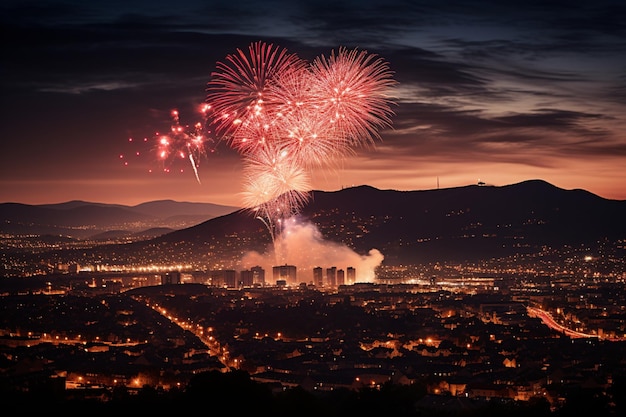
(275, 208)
(537, 326)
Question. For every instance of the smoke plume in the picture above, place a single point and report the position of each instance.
(303, 246)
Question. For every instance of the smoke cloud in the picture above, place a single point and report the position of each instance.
(303, 245)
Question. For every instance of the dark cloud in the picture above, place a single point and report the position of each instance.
(548, 118)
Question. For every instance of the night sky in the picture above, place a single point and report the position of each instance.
(491, 90)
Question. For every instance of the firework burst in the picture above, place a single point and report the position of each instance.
(276, 187)
(183, 142)
(271, 173)
(285, 116)
(351, 93)
(238, 89)
(311, 140)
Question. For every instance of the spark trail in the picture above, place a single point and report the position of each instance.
(183, 142)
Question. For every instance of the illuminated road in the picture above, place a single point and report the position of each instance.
(215, 349)
(547, 319)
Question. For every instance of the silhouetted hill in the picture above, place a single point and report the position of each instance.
(472, 222)
(182, 208)
(81, 219)
(125, 234)
(469, 223)
(463, 223)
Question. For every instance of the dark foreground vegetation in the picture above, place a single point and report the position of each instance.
(235, 394)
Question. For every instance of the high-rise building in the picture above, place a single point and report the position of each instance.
(258, 275)
(230, 278)
(350, 275)
(331, 276)
(224, 278)
(318, 276)
(254, 276)
(246, 278)
(285, 273)
(340, 277)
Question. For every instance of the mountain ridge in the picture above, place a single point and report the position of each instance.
(82, 219)
(457, 224)
(464, 223)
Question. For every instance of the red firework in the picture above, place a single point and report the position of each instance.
(351, 92)
(238, 89)
(284, 116)
(183, 142)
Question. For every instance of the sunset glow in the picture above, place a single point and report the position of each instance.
(500, 92)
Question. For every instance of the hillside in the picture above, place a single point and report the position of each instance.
(455, 224)
(81, 219)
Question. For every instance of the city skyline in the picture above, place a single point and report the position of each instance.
(498, 93)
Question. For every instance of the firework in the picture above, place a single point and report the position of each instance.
(183, 142)
(351, 92)
(275, 188)
(270, 174)
(285, 116)
(241, 87)
(311, 140)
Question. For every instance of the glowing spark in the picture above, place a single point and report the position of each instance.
(183, 142)
(136, 153)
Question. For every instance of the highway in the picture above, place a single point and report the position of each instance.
(547, 319)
